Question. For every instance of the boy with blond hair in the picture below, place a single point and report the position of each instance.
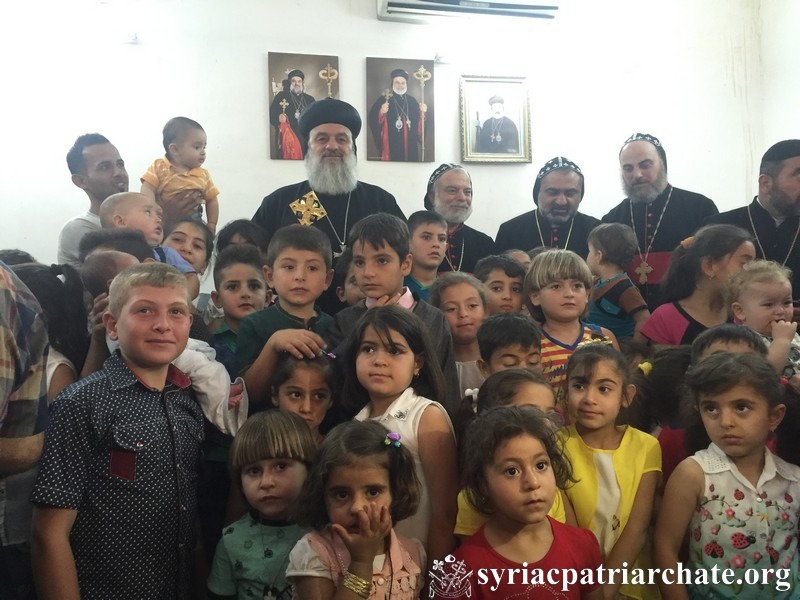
(115, 495)
(760, 297)
(129, 210)
(299, 270)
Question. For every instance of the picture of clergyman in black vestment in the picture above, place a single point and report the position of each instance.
(285, 111)
(400, 123)
(498, 134)
(297, 80)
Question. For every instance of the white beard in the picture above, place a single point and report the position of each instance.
(332, 178)
(453, 215)
(399, 92)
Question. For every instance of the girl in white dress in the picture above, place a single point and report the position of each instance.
(737, 503)
(395, 379)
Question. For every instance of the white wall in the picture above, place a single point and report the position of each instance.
(688, 72)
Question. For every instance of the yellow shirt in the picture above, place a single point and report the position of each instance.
(169, 182)
(470, 520)
(607, 484)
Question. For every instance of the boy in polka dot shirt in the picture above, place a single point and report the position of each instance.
(115, 495)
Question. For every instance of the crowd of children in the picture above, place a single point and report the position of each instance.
(247, 444)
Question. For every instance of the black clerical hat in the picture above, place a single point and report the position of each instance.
(399, 73)
(650, 139)
(782, 151)
(559, 163)
(437, 173)
(328, 110)
(296, 73)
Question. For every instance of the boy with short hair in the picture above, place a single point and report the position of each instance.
(344, 280)
(508, 340)
(727, 337)
(129, 210)
(180, 172)
(428, 242)
(502, 276)
(241, 290)
(298, 268)
(115, 495)
(616, 302)
(381, 260)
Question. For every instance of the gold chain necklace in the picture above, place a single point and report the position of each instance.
(644, 269)
(758, 241)
(541, 238)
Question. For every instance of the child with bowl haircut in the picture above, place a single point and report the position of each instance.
(180, 172)
(115, 496)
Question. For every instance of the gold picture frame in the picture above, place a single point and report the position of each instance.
(495, 119)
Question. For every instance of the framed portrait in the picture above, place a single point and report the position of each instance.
(401, 108)
(296, 80)
(495, 119)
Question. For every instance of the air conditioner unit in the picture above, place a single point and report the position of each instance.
(424, 11)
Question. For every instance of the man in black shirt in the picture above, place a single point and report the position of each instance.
(556, 222)
(661, 215)
(773, 217)
(331, 199)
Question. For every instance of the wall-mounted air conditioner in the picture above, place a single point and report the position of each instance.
(420, 11)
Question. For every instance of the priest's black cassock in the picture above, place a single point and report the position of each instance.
(531, 230)
(295, 105)
(397, 136)
(778, 242)
(465, 247)
(658, 236)
(366, 199)
(499, 136)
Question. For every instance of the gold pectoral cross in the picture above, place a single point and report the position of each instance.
(308, 209)
(643, 270)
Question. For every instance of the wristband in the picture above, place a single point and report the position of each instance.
(358, 585)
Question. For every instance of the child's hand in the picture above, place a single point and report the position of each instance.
(235, 396)
(388, 300)
(181, 206)
(783, 330)
(374, 525)
(300, 343)
(99, 307)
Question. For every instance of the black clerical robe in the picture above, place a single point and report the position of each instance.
(524, 233)
(295, 104)
(684, 214)
(366, 199)
(779, 242)
(465, 247)
(498, 136)
(397, 134)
